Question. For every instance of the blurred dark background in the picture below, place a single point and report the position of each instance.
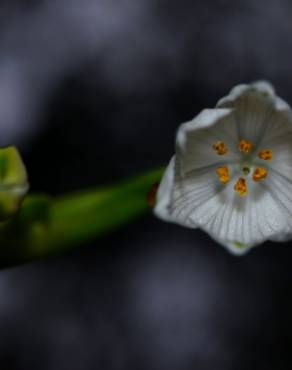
(92, 91)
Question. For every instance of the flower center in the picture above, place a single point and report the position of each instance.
(246, 170)
(258, 173)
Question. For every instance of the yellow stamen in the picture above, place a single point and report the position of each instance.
(223, 174)
(259, 174)
(240, 187)
(220, 148)
(245, 146)
(265, 154)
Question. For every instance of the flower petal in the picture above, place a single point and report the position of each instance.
(278, 139)
(164, 194)
(195, 139)
(179, 196)
(260, 217)
(280, 188)
(198, 200)
(241, 223)
(253, 105)
(235, 222)
(195, 161)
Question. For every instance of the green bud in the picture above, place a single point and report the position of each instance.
(13, 182)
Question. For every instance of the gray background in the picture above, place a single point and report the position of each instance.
(93, 91)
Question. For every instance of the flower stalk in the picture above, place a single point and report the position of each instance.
(47, 226)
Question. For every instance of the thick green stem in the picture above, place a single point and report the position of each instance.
(49, 226)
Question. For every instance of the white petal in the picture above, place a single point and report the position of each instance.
(164, 194)
(179, 196)
(194, 159)
(241, 223)
(280, 187)
(253, 106)
(261, 218)
(195, 139)
(199, 200)
(278, 136)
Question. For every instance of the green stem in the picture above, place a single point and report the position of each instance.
(45, 226)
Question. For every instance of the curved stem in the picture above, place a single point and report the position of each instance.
(49, 226)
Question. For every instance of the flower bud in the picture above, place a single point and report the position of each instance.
(13, 182)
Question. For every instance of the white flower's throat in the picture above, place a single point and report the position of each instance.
(257, 173)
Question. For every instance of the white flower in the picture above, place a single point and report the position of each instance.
(232, 171)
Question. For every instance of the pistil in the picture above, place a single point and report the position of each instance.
(246, 170)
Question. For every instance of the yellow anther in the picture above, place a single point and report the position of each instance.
(259, 174)
(245, 146)
(223, 174)
(240, 187)
(265, 154)
(220, 148)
